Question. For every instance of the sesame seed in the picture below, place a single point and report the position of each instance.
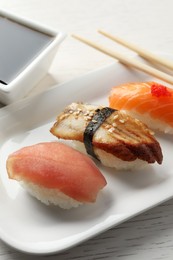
(87, 118)
(111, 130)
(151, 132)
(78, 112)
(86, 114)
(62, 117)
(116, 116)
(122, 121)
(136, 120)
(114, 124)
(91, 114)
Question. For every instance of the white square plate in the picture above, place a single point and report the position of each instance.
(30, 226)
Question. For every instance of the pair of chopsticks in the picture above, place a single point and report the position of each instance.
(130, 61)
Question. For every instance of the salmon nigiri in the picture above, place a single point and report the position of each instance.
(150, 102)
(56, 174)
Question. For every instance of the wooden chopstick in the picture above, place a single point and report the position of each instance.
(141, 51)
(127, 61)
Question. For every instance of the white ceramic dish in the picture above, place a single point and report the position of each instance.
(28, 225)
(27, 49)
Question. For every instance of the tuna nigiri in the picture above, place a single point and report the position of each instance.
(113, 137)
(148, 101)
(56, 174)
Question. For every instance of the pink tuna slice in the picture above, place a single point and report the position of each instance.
(57, 166)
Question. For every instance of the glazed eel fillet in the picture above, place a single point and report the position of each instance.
(113, 137)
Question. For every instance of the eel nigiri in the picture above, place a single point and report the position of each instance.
(148, 101)
(113, 137)
(56, 174)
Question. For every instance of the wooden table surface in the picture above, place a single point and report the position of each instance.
(148, 23)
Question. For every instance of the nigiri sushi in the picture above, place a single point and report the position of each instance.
(148, 101)
(56, 174)
(113, 137)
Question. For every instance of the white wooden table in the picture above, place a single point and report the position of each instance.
(148, 23)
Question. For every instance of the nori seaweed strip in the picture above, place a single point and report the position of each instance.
(92, 127)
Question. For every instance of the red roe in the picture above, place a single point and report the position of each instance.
(159, 90)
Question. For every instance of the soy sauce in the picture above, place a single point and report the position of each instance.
(19, 45)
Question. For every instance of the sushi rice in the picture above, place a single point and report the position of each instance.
(152, 123)
(110, 160)
(50, 196)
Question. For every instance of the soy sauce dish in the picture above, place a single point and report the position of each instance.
(27, 49)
